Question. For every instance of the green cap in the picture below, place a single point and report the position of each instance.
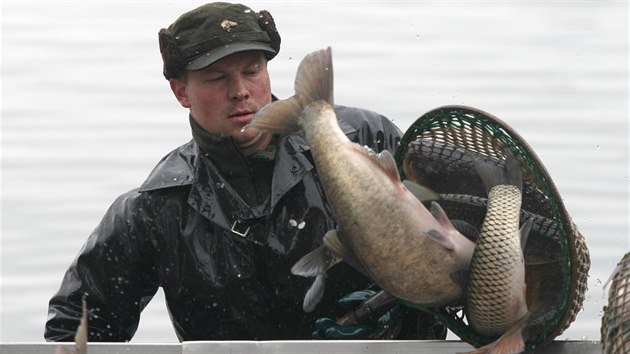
(215, 30)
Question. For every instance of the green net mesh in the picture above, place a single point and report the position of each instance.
(437, 151)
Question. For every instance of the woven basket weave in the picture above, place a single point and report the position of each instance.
(615, 331)
(436, 152)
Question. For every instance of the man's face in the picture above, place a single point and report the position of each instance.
(224, 97)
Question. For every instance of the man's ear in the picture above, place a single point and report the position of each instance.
(179, 90)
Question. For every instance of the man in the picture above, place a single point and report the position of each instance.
(220, 220)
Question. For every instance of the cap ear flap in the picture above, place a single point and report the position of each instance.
(268, 25)
(174, 61)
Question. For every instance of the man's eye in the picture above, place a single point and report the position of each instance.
(252, 71)
(213, 78)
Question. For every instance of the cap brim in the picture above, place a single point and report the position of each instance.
(219, 53)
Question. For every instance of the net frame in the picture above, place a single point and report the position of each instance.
(479, 132)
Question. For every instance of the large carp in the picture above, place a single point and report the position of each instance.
(383, 230)
(496, 295)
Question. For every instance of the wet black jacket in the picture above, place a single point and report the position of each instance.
(224, 265)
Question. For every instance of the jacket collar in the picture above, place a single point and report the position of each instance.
(209, 192)
(174, 170)
(185, 166)
(177, 168)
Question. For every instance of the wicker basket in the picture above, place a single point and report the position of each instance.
(616, 320)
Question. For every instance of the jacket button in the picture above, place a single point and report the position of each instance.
(294, 168)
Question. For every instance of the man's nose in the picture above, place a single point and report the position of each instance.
(239, 90)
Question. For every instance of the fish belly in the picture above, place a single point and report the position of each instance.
(384, 225)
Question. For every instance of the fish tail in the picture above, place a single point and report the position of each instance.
(493, 174)
(313, 83)
(315, 293)
(511, 342)
(316, 264)
(81, 335)
(314, 80)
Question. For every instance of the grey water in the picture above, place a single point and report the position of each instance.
(86, 113)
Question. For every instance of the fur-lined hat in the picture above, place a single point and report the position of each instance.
(213, 31)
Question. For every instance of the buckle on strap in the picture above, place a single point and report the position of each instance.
(239, 228)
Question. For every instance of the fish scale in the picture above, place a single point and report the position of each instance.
(496, 261)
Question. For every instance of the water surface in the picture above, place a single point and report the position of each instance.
(86, 113)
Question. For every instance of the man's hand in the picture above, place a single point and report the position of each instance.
(386, 326)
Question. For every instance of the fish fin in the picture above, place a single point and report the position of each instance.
(315, 293)
(424, 194)
(467, 229)
(331, 240)
(316, 262)
(313, 82)
(525, 229)
(314, 79)
(81, 337)
(513, 173)
(384, 160)
(440, 215)
(494, 173)
(441, 239)
(511, 342)
(486, 172)
(387, 162)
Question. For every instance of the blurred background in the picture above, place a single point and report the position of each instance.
(86, 113)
